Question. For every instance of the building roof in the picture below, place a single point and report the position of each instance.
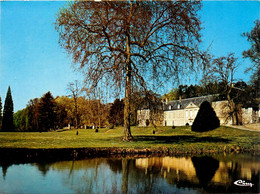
(183, 103)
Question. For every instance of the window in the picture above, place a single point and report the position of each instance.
(190, 113)
(187, 114)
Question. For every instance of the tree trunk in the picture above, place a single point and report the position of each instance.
(127, 132)
(76, 112)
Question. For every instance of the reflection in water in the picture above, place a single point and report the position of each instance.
(142, 175)
(205, 168)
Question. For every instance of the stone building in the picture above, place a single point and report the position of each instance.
(183, 112)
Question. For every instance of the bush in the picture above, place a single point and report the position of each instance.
(147, 122)
(187, 124)
(173, 127)
(206, 119)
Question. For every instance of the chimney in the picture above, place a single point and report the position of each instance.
(180, 98)
(166, 100)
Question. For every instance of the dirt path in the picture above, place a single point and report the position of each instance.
(249, 127)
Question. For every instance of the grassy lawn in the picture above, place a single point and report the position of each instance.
(180, 139)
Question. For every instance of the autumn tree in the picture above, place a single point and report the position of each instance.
(8, 120)
(33, 114)
(130, 41)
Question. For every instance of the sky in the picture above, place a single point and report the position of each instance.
(33, 63)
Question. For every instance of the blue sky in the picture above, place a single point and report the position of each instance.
(33, 63)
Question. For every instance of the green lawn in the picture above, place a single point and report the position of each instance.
(180, 139)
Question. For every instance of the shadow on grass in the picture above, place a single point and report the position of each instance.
(180, 139)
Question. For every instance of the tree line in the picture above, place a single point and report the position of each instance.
(49, 113)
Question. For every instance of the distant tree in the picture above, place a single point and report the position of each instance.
(206, 119)
(47, 115)
(68, 104)
(137, 103)
(154, 104)
(61, 115)
(253, 53)
(116, 113)
(33, 114)
(8, 122)
(255, 83)
(127, 41)
(75, 91)
(172, 95)
(21, 121)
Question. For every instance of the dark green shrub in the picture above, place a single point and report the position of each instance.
(173, 127)
(206, 119)
(147, 122)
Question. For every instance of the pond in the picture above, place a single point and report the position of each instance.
(179, 174)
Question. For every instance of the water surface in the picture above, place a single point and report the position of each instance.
(197, 174)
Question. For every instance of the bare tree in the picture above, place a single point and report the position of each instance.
(73, 88)
(222, 69)
(124, 42)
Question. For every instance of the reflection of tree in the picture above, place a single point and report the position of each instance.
(134, 178)
(206, 168)
(43, 167)
(125, 171)
(4, 169)
(115, 165)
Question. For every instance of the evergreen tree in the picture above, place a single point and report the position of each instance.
(206, 119)
(8, 123)
(116, 113)
(47, 115)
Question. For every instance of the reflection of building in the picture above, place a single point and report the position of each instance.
(183, 112)
(184, 168)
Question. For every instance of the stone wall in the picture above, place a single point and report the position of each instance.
(221, 109)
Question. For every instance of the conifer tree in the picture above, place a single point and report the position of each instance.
(206, 119)
(8, 123)
(46, 112)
